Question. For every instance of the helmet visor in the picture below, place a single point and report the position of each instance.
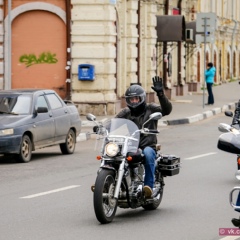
(134, 101)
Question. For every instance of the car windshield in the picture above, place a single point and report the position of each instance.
(15, 104)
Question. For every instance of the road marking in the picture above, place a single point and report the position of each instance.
(200, 156)
(49, 192)
(230, 238)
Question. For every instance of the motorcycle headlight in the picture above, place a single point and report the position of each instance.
(111, 149)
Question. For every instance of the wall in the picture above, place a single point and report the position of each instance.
(120, 45)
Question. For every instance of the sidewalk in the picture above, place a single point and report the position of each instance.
(190, 108)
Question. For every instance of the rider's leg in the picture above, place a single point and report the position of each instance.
(150, 156)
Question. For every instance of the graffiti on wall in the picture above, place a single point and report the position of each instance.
(32, 59)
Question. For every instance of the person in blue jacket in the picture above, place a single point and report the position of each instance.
(209, 77)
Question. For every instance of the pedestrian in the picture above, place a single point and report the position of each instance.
(209, 78)
(138, 111)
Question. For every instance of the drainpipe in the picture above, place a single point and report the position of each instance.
(179, 82)
(139, 42)
(233, 35)
(117, 50)
(8, 80)
(68, 30)
(165, 50)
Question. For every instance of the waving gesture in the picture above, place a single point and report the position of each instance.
(158, 85)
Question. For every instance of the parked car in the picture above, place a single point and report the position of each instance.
(31, 119)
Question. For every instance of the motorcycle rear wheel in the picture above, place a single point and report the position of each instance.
(105, 205)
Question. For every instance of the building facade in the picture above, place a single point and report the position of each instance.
(48, 43)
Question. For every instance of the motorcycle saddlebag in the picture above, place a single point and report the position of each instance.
(169, 165)
(229, 142)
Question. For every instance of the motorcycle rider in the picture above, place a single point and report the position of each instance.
(138, 111)
(235, 123)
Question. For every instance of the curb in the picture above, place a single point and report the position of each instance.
(188, 120)
(83, 137)
(202, 116)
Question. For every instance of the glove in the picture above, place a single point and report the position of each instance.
(158, 85)
(236, 115)
(95, 129)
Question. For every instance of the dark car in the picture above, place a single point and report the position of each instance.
(31, 119)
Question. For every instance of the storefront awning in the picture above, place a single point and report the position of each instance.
(170, 28)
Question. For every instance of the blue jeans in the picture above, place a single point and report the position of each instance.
(210, 93)
(150, 156)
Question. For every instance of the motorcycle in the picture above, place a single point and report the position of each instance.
(229, 141)
(235, 200)
(120, 178)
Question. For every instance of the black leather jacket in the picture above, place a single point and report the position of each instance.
(235, 120)
(165, 108)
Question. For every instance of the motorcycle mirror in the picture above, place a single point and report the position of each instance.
(155, 116)
(223, 127)
(90, 117)
(237, 175)
(228, 113)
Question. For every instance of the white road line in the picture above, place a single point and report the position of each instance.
(49, 192)
(200, 156)
(230, 238)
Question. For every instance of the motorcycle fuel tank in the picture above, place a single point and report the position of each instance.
(229, 142)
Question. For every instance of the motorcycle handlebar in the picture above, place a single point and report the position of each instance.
(146, 130)
(231, 198)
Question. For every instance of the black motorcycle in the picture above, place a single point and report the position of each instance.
(229, 142)
(235, 201)
(120, 178)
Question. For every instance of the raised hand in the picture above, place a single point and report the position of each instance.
(158, 85)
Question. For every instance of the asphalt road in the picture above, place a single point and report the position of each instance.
(50, 197)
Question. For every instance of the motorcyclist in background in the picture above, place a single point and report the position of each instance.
(138, 111)
(235, 123)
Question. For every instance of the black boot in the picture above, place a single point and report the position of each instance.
(236, 222)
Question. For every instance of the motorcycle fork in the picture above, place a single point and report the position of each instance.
(238, 161)
(119, 179)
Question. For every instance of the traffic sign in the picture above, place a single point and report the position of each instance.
(199, 38)
(206, 22)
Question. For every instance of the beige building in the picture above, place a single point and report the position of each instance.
(120, 41)
(124, 41)
(53, 43)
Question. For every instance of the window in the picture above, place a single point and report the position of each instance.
(16, 104)
(41, 102)
(54, 101)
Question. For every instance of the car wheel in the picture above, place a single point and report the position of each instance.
(25, 153)
(69, 146)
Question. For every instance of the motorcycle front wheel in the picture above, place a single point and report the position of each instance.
(105, 205)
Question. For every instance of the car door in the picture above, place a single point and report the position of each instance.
(43, 124)
(61, 116)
